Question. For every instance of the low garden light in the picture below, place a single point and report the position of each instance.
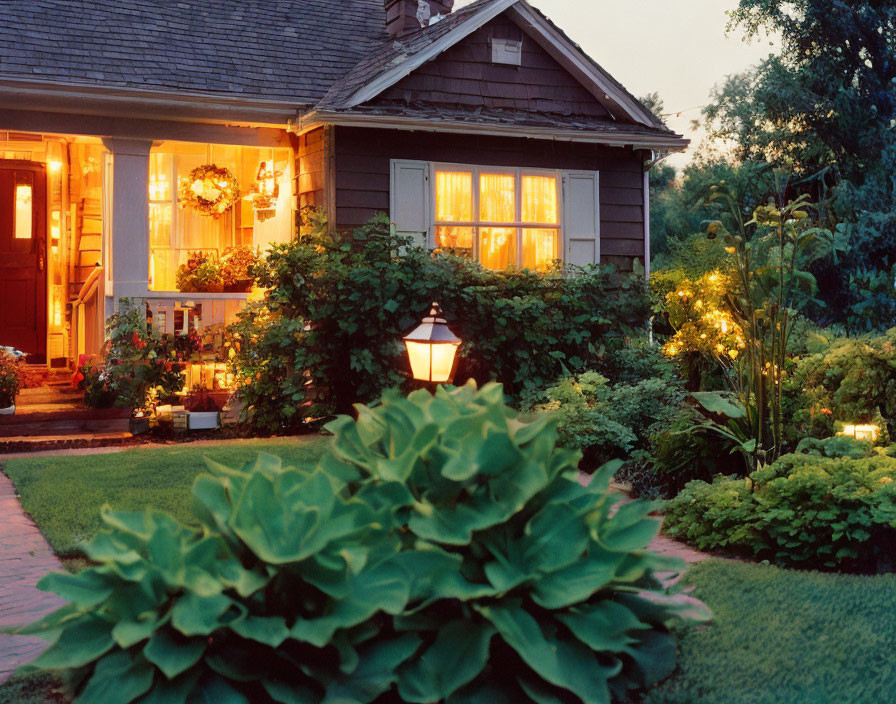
(862, 432)
(432, 348)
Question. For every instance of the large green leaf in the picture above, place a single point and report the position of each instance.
(271, 631)
(576, 583)
(565, 664)
(719, 404)
(194, 615)
(117, 679)
(375, 673)
(88, 588)
(173, 653)
(79, 643)
(457, 656)
(604, 626)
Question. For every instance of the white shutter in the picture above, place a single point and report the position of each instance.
(410, 200)
(581, 217)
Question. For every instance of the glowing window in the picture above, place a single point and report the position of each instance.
(24, 216)
(502, 217)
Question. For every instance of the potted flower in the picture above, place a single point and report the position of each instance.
(10, 382)
(200, 274)
(236, 264)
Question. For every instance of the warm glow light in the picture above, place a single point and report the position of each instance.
(862, 432)
(430, 361)
(432, 348)
(24, 221)
(54, 166)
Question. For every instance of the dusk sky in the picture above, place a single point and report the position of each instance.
(676, 47)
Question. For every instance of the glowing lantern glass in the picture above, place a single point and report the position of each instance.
(431, 348)
(862, 432)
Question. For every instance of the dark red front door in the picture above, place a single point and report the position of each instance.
(23, 258)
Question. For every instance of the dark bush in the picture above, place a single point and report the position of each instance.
(329, 330)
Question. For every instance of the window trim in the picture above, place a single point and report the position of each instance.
(518, 173)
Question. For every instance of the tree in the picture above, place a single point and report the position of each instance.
(824, 113)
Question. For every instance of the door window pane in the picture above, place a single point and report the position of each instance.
(454, 196)
(457, 239)
(540, 200)
(497, 247)
(540, 248)
(24, 216)
(497, 198)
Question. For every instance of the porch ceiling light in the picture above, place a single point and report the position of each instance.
(432, 348)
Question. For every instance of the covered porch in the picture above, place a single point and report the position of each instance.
(88, 219)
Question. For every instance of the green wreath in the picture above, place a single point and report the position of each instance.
(209, 190)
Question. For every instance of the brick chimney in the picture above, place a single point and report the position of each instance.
(404, 16)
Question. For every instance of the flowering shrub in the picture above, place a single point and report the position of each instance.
(136, 361)
(11, 379)
(441, 551)
(803, 510)
(236, 265)
(200, 273)
(703, 324)
(850, 380)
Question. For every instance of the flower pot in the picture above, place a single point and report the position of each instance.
(8, 411)
(214, 288)
(241, 286)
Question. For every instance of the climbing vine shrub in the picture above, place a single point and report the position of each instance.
(442, 550)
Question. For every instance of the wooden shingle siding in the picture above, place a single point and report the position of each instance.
(465, 75)
(363, 158)
(311, 168)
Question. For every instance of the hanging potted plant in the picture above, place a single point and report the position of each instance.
(236, 264)
(201, 274)
(11, 378)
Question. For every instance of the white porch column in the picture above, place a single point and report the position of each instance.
(130, 218)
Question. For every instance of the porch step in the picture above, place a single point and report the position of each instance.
(62, 413)
(62, 442)
(64, 427)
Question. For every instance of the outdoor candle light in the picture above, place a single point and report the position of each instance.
(862, 432)
(432, 348)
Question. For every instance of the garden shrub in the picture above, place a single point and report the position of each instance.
(836, 446)
(851, 380)
(329, 331)
(441, 551)
(136, 362)
(607, 421)
(803, 510)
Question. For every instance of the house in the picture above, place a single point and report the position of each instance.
(485, 129)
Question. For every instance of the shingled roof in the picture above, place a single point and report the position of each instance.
(271, 50)
(303, 56)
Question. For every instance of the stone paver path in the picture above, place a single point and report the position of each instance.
(25, 557)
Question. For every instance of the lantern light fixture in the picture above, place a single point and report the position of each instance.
(432, 348)
(862, 432)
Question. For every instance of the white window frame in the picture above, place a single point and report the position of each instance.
(518, 174)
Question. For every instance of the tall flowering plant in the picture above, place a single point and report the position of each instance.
(11, 379)
(747, 318)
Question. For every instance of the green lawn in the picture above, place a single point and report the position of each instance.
(787, 637)
(64, 494)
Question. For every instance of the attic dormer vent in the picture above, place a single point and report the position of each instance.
(507, 51)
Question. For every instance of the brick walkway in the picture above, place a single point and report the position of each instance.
(25, 557)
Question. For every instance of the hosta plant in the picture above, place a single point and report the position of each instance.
(441, 551)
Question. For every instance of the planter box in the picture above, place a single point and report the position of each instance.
(203, 420)
(180, 420)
